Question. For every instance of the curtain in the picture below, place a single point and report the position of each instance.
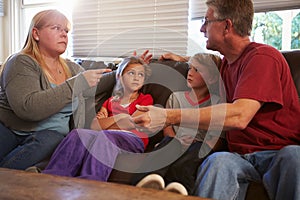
(105, 28)
(1, 8)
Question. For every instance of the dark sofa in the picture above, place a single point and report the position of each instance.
(169, 76)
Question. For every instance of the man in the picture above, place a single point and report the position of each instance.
(261, 115)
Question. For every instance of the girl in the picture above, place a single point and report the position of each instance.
(91, 154)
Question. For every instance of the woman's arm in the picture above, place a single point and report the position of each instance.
(105, 86)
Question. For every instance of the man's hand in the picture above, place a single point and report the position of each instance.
(123, 122)
(172, 56)
(152, 119)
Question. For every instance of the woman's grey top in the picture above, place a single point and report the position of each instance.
(26, 96)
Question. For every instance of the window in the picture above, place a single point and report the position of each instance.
(105, 28)
(22, 13)
(279, 29)
(1, 8)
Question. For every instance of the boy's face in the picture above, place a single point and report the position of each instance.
(197, 75)
(133, 77)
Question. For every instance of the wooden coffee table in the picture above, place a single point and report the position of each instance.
(21, 185)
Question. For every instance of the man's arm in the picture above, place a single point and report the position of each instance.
(223, 117)
(175, 57)
(169, 131)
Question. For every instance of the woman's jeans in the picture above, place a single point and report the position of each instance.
(90, 154)
(21, 152)
(225, 175)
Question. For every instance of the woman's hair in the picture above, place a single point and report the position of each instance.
(240, 12)
(40, 20)
(119, 90)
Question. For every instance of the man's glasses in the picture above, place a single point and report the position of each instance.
(205, 21)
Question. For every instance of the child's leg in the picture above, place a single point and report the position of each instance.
(68, 156)
(158, 161)
(184, 169)
(103, 152)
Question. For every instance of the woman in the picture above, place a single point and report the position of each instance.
(39, 90)
(91, 154)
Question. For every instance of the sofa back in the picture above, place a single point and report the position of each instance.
(293, 59)
(167, 77)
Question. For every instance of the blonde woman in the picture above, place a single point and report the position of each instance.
(39, 91)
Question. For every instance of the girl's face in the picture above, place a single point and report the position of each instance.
(197, 75)
(133, 77)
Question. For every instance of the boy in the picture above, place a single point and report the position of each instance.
(186, 144)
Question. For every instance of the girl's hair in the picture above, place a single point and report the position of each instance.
(119, 90)
(40, 20)
(240, 12)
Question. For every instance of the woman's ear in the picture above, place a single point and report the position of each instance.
(35, 34)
